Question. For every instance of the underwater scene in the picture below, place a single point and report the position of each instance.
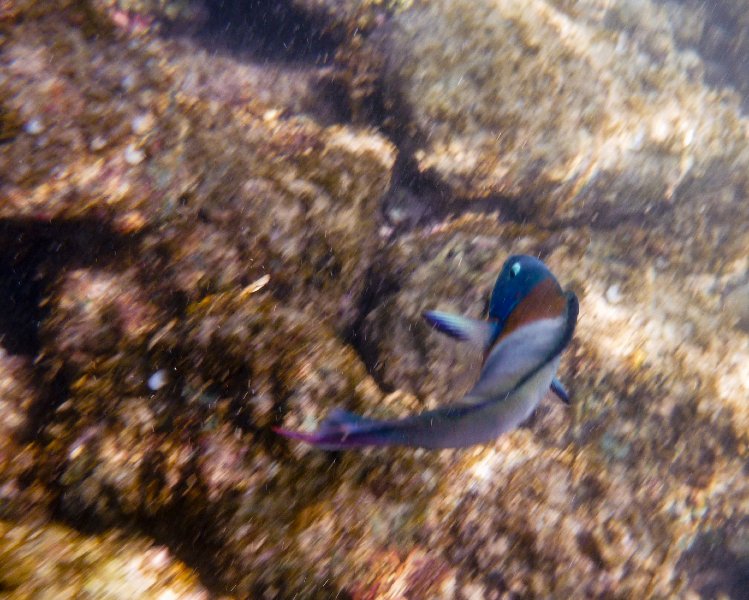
(374, 299)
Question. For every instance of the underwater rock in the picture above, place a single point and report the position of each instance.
(94, 314)
(236, 365)
(226, 188)
(53, 561)
(248, 285)
(300, 209)
(352, 14)
(139, 15)
(736, 304)
(718, 32)
(566, 110)
(196, 460)
(197, 455)
(17, 456)
(275, 359)
(16, 394)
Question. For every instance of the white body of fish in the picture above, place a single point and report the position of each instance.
(500, 400)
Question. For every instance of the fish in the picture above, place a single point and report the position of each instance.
(530, 322)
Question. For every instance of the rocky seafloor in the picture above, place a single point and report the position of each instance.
(221, 217)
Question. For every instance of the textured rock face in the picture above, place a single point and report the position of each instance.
(17, 458)
(718, 32)
(202, 261)
(595, 486)
(571, 110)
(76, 566)
(196, 175)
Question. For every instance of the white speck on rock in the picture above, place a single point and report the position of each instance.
(159, 558)
(98, 143)
(271, 115)
(614, 294)
(142, 123)
(385, 231)
(133, 155)
(129, 82)
(34, 127)
(158, 380)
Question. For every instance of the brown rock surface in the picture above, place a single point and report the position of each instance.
(566, 110)
(76, 566)
(195, 260)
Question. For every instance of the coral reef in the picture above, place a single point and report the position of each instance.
(570, 110)
(197, 245)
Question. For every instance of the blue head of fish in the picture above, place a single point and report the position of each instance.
(519, 275)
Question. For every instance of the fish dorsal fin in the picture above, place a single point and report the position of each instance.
(465, 329)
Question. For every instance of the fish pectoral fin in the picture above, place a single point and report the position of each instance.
(461, 328)
(559, 391)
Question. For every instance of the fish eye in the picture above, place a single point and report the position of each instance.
(515, 269)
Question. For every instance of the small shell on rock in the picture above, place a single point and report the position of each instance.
(256, 285)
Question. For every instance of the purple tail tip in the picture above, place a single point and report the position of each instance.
(338, 431)
(291, 434)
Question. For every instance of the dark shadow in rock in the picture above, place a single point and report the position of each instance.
(32, 255)
(330, 105)
(273, 30)
(714, 568)
(379, 287)
(418, 199)
(415, 199)
(292, 49)
(20, 296)
(724, 46)
(191, 539)
(31, 251)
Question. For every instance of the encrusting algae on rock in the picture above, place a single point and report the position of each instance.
(168, 215)
(76, 566)
(574, 110)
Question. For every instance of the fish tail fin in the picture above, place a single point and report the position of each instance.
(338, 431)
(309, 438)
